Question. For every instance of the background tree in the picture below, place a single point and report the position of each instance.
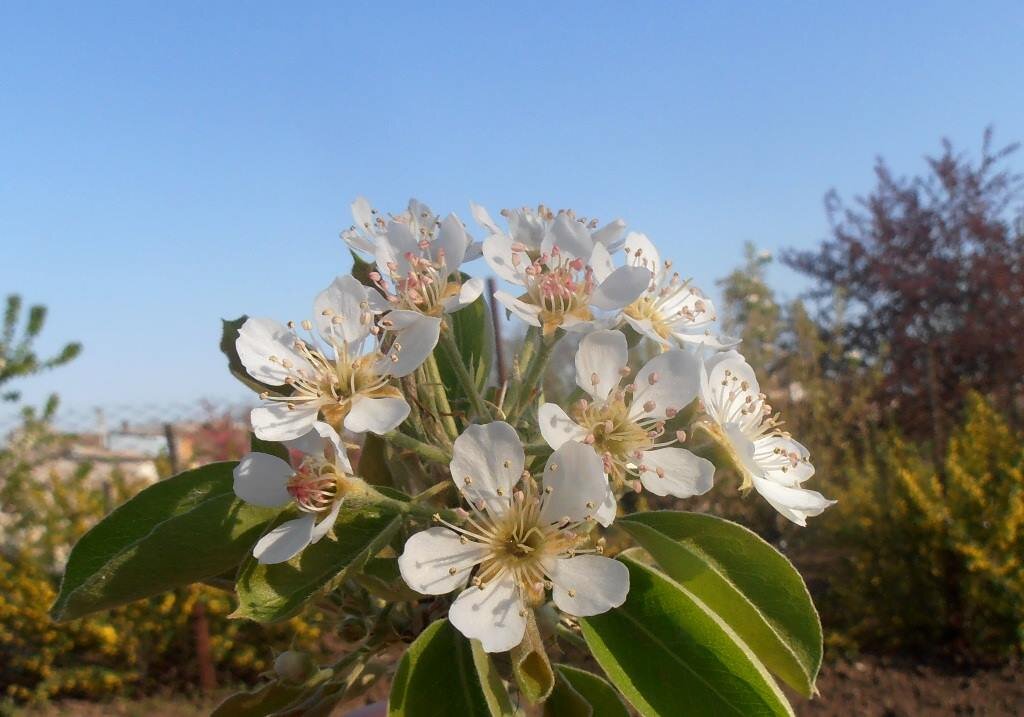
(18, 358)
(932, 270)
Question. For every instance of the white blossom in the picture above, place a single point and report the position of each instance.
(771, 461)
(419, 258)
(517, 543)
(671, 311)
(343, 375)
(316, 487)
(564, 265)
(625, 425)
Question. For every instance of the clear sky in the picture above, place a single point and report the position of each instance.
(163, 165)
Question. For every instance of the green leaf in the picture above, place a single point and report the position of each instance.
(382, 578)
(228, 336)
(748, 583)
(566, 701)
(443, 674)
(258, 445)
(361, 269)
(474, 335)
(531, 666)
(181, 530)
(270, 593)
(669, 654)
(593, 690)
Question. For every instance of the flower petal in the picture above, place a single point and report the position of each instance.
(326, 523)
(342, 310)
(260, 339)
(497, 250)
(640, 251)
(468, 293)
(608, 509)
(275, 421)
(377, 415)
(452, 240)
(393, 247)
(483, 218)
(797, 504)
(491, 457)
(330, 443)
(601, 262)
(783, 460)
(285, 541)
(575, 482)
(669, 380)
(570, 237)
(492, 615)
(262, 480)
(600, 359)
(683, 474)
(416, 334)
(610, 235)
(556, 427)
(527, 312)
(622, 287)
(430, 555)
(588, 584)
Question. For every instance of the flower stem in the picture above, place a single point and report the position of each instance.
(451, 350)
(444, 408)
(426, 451)
(534, 374)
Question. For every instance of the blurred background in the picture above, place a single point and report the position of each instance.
(843, 181)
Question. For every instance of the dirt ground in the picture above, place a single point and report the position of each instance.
(868, 687)
(874, 687)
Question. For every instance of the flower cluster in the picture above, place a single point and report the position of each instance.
(536, 478)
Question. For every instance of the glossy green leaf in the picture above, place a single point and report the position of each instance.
(228, 336)
(181, 530)
(748, 583)
(270, 593)
(443, 674)
(669, 654)
(566, 701)
(595, 691)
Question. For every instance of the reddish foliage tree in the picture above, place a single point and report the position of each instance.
(932, 268)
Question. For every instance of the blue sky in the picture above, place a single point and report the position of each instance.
(164, 165)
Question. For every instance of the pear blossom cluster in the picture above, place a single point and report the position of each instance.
(526, 529)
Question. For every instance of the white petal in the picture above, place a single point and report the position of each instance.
(797, 504)
(622, 287)
(475, 250)
(600, 359)
(669, 380)
(497, 250)
(310, 443)
(783, 460)
(610, 235)
(358, 241)
(527, 312)
(597, 583)
(258, 340)
(491, 615)
(468, 293)
(343, 301)
(285, 541)
(378, 304)
(645, 327)
(483, 218)
(262, 480)
(601, 262)
(331, 445)
(684, 475)
(608, 509)
(377, 415)
(417, 336)
(574, 474)
(452, 240)
(393, 247)
(429, 557)
(718, 388)
(326, 523)
(570, 237)
(276, 422)
(363, 215)
(492, 457)
(556, 427)
(640, 251)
